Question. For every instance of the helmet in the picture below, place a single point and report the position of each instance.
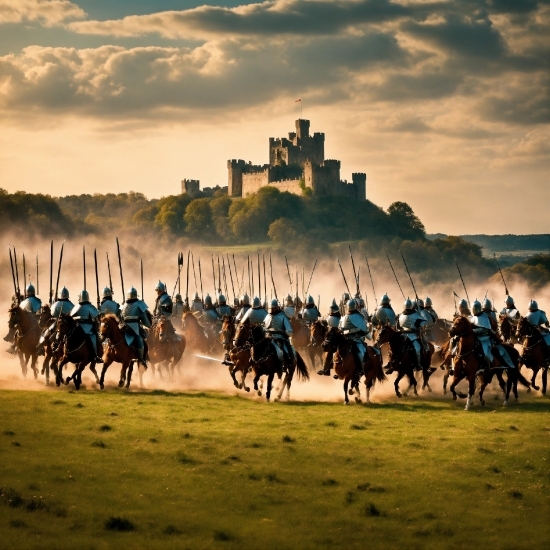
(83, 297)
(487, 305)
(420, 302)
(310, 301)
(221, 300)
(273, 306)
(385, 300)
(30, 291)
(196, 298)
(207, 300)
(236, 301)
(256, 303)
(107, 293)
(289, 301)
(509, 301)
(476, 307)
(334, 306)
(65, 293)
(533, 306)
(345, 297)
(131, 294)
(178, 298)
(361, 303)
(428, 302)
(463, 304)
(245, 300)
(160, 286)
(408, 304)
(352, 306)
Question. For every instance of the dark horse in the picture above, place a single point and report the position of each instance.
(26, 339)
(301, 339)
(45, 320)
(198, 339)
(533, 355)
(236, 342)
(507, 329)
(317, 334)
(264, 361)
(163, 349)
(75, 348)
(345, 366)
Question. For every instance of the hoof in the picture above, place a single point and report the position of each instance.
(267, 399)
(398, 395)
(345, 402)
(505, 404)
(247, 389)
(429, 389)
(357, 400)
(405, 394)
(259, 393)
(482, 402)
(277, 399)
(67, 381)
(535, 388)
(101, 386)
(467, 408)
(350, 392)
(454, 397)
(121, 384)
(444, 391)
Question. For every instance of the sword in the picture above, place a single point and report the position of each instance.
(500, 270)
(396, 279)
(223, 361)
(96, 278)
(467, 297)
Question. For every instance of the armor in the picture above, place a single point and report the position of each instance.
(163, 305)
(107, 293)
(533, 306)
(411, 322)
(512, 313)
(223, 310)
(178, 307)
(385, 300)
(64, 293)
(509, 302)
(487, 307)
(242, 312)
(384, 315)
(209, 314)
(408, 304)
(277, 323)
(537, 318)
(31, 304)
(134, 315)
(132, 294)
(464, 308)
(430, 314)
(161, 287)
(333, 320)
(482, 329)
(428, 302)
(85, 315)
(245, 300)
(476, 307)
(109, 306)
(256, 314)
(207, 301)
(290, 310)
(310, 301)
(62, 307)
(420, 303)
(310, 313)
(30, 290)
(196, 305)
(354, 328)
(84, 296)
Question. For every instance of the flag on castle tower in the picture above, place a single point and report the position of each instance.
(297, 100)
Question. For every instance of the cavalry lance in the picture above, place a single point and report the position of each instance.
(372, 282)
(194, 272)
(13, 277)
(84, 263)
(187, 279)
(219, 279)
(231, 276)
(500, 271)
(455, 296)
(394, 274)
(224, 278)
(311, 277)
(354, 272)
(51, 273)
(463, 284)
(17, 275)
(24, 275)
(59, 269)
(180, 266)
(272, 281)
(109, 270)
(120, 268)
(265, 280)
(409, 274)
(342, 271)
(200, 279)
(96, 279)
(141, 270)
(237, 274)
(259, 280)
(214, 275)
(289, 277)
(37, 284)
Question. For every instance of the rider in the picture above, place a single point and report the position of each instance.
(196, 305)
(256, 314)
(511, 312)
(410, 322)
(223, 309)
(31, 304)
(384, 314)
(63, 306)
(344, 302)
(178, 308)
(86, 316)
(108, 305)
(333, 320)
(310, 313)
(163, 302)
(430, 321)
(354, 327)
(463, 309)
(487, 337)
(136, 316)
(290, 308)
(537, 319)
(487, 307)
(278, 328)
(209, 317)
(245, 306)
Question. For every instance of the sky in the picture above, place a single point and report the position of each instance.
(444, 104)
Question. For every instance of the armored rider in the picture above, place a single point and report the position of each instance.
(31, 304)
(410, 322)
(290, 308)
(430, 321)
(165, 307)
(178, 309)
(333, 320)
(278, 328)
(86, 316)
(196, 304)
(63, 306)
(488, 309)
(209, 317)
(256, 314)
(310, 313)
(538, 319)
(135, 316)
(245, 306)
(108, 305)
(463, 309)
(354, 327)
(512, 312)
(223, 308)
(385, 314)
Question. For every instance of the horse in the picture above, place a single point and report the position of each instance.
(196, 336)
(163, 350)
(27, 336)
(264, 361)
(507, 329)
(438, 333)
(345, 365)
(533, 355)
(74, 348)
(117, 350)
(45, 320)
(301, 338)
(469, 361)
(317, 334)
(239, 354)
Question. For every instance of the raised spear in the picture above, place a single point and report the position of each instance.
(141, 273)
(394, 274)
(409, 274)
(59, 269)
(120, 268)
(354, 272)
(51, 273)
(13, 277)
(84, 264)
(500, 271)
(272, 281)
(463, 284)
(194, 272)
(288, 272)
(231, 276)
(17, 274)
(109, 271)
(37, 283)
(265, 280)
(342, 271)
(372, 282)
(187, 279)
(214, 276)
(311, 276)
(200, 278)
(259, 280)
(96, 278)
(24, 273)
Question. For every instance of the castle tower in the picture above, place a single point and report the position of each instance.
(235, 177)
(360, 181)
(190, 187)
(302, 128)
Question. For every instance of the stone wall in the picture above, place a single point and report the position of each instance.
(252, 182)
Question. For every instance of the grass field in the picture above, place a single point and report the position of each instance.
(206, 470)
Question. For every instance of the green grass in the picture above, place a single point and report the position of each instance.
(196, 470)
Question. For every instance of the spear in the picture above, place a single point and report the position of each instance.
(180, 266)
(200, 278)
(252, 274)
(394, 274)
(120, 268)
(248, 269)
(96, 278)
(231, 276)
(214, 275)
(500, 271)
(455, 296)
(219, 277)
(265, 280)
(24, 273)
(311, 276)
(236, 274)
(409, 274)
(272, 281)
(354, 272)
(51, 272)
(288, 272)
(84, 264)
(17, 274)
(342, 271)
(224, 278)
(109, 270)
(59, 269)
(37, 287)
(194, 273)
(179, 272)
(13, 277)
(303, 282)
(187, 280)
(259, 279)
(141, 273)
(372, 282)
(296, 286)
(463, 284)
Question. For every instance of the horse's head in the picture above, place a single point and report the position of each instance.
(45, 314)
(257, 333)
(161, 328)
(14, 316)
(227, 331)
(317, 333)
(330, 343)
(461, 327)
(242, 334)
(106, 325)
(65, 323)
(524, 328)
(385, 335)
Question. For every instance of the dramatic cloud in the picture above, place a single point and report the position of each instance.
(48, 12)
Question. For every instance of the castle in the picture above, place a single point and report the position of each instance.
(295, 165)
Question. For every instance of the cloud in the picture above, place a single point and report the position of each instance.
(47, 12)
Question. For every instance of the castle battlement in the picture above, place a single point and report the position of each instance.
(293, 162)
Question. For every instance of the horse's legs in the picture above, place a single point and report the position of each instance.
(256, 389)
(534, 378)
(358, 390)
(92, 368)
(282, 388)
(130, 370)
(269, 386)
(544, 379)
(396, 383)
(34, 359)
(123, 370)
(471, 391)
(106, 365)
(501, 381)
(484, 384)
(243, 385)
(456, 379)
(445, 380)
(232, 373)
(346, 383)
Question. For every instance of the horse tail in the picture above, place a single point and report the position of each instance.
(301, 368)
(522, 380)
(379, 373)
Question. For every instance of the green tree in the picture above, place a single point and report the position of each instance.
(406, 222)
(198, 219)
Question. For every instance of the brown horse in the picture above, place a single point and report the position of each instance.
(27, 336)
(317, 334)
(196, 336)
(45, 320)
(237, 340)
(116, 350)
(533, 355)
(345, 364)
(165, 350)
(74, 348)
(507, 329)
(301, 339)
